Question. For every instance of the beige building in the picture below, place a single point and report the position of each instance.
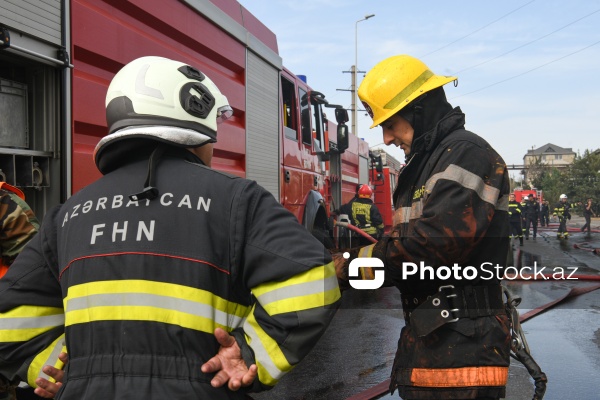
(549, 155)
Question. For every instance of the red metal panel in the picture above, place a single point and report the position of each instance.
(108, 34)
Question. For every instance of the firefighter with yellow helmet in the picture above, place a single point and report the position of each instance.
(168, 278)
(451, 208)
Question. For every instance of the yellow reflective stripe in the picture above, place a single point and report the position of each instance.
(49, 356)
(468, 180)
(366, 273)
(270, 360)
(315, 288)
(409, 89)
(26, 322)
(366, 251)
(141, 313)
(151, 301)
(158, 288)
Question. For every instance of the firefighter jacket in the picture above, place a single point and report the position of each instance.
(545, 210)
(451, 207)
(365, 215)
(531, 210)
(18, 224)
(514, 211)
(563, 210)
(138, 287)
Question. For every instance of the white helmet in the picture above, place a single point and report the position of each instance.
(563, 196)
(526, 198)
(162, 100)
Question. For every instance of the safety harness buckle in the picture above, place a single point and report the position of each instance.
(434, 312)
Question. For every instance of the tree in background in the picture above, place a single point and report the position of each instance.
(580, 181)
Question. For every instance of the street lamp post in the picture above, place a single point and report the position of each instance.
(355, 73)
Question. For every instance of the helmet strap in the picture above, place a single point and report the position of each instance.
(150, 191)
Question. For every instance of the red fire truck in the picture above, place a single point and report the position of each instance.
(520, 193)
(384, 177)
(58, 57)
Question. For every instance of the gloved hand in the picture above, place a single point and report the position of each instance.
(342, 264)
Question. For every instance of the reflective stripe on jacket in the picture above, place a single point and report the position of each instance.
(451, 208)
(144, 284)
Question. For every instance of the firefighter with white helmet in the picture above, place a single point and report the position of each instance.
(168, 278)
(451, 208)
(562, 210)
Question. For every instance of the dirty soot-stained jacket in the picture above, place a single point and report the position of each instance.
(451, 207)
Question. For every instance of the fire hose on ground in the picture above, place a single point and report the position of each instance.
(519, 347)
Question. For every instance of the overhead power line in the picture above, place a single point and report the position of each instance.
(477, 30)
(528, 71)
(526, 44)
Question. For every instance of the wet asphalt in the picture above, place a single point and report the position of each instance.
(356, 352)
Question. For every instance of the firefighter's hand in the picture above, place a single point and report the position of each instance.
(46, 388)
(341, 270)
(228, 364)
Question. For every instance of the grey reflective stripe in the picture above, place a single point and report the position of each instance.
(152, 300)
(47, 321)
(466, 179)
(405, 214)
(301, 289)
(416, 210)
(140, 84)
(402, 215)
(503, 203)
(261, 355)
(53, 356)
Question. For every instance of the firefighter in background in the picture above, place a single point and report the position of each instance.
(588, 211)
(514, 212)
(201, 285)
(562, 210)
(523, 203)
(364, 214)
(545, 213)
(18, 224)
(532, 214)
(451, 206)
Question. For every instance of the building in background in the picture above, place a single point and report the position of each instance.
(549, 155)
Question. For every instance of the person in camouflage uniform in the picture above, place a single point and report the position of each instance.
(17, 222)
(18, 225)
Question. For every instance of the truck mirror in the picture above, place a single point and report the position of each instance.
(378, 163)
(341, 115)
(342, 137)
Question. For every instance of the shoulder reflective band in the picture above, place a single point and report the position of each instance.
(468, 180)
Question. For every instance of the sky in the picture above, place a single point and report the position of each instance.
(528, 70)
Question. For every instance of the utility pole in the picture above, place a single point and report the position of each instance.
(354, 71)
(353, 89)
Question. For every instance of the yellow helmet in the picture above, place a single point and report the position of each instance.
(395, 82)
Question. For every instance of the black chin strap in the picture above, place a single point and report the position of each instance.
(150, 191)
